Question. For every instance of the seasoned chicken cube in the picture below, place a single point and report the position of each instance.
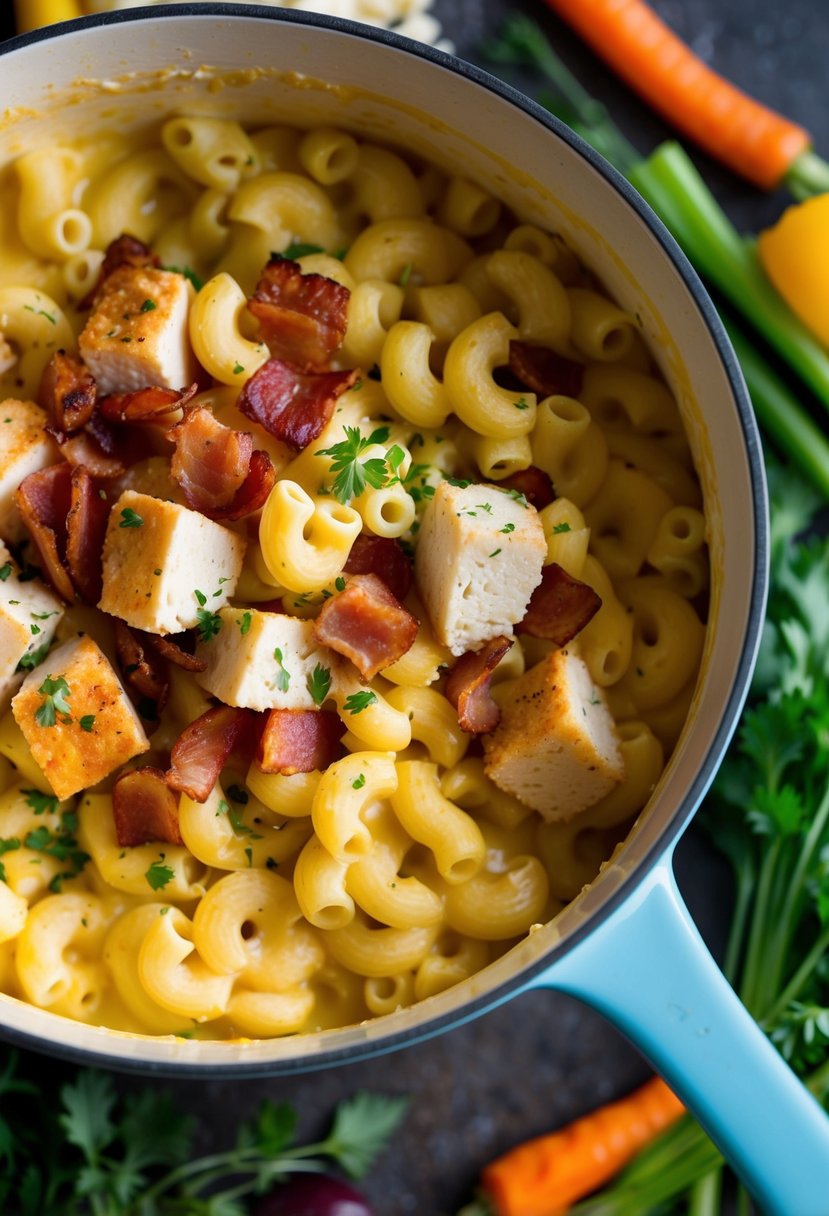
(556, 746)
(137, 335)
(264, 660)
(76, 718)
(479, 557)
(167, 568)
(29, 615)
(25, 447)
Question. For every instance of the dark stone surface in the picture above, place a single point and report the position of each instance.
(543, 1059)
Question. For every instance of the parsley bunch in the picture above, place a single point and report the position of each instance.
(92, 1153)
(769, 814)
(352, 475)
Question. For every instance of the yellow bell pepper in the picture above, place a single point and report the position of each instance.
(794, 253)
(32, 14)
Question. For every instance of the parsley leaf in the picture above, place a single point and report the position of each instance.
(318, 683)
(159, 874)
(40, 803)
(54, 694)
(130, 519)
(362, 1127)
(351, 475)
(5, 571)
(245, 623)
(356, 702)
(283, 676)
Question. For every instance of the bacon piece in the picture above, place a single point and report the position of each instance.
(534, 484)
(150, 404)
(44, 499)
(145, 809)
(67, 391)
(98, 447)
(559, 607)
(143, 672)
(86, 524)
(219, 472)
(299, 741)
(302, 317)
(293, 406)
(125, 250)
(174, 653)
(468, 687)
(385, 557)
(544, 371)
(367, 624)
(201, 750)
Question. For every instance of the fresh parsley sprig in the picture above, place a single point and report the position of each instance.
(54, 693)
(94, 1151)
(352, 475)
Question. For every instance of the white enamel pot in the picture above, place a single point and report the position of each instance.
(626, 945)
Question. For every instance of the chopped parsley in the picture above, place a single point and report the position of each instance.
(299, 250)
(5, 571)
(358, 782)
(40, 803)
(318, 683)
(237, 369)
(188, 274)
(351, 474)
(244, 624)
(358, 701)
(41, 312)
(520, 498)
(148, 306)
(34, 658)
(283, 676)
(54, 693)
(87, 722)
(522, 403)
(159, 874)
(495, 552)
(339, 583)
(130, 519)
(62, 845)
(507, 528)
(562, 527)
(201, 597)
(209, 624)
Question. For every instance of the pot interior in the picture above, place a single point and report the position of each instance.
(130, 70)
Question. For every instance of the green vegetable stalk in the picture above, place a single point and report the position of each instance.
(668, 180)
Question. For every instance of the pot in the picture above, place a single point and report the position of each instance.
(626, 945)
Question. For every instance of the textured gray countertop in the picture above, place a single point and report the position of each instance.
(543, 1059)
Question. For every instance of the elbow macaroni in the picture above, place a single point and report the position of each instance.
(306, 900)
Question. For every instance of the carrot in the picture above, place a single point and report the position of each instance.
(748, 137)
(544, 1176)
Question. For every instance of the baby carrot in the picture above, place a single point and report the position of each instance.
(543, 1177)
(750, 138)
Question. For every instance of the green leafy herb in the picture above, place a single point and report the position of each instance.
(522, 404)
(562, 527)
(208, 624)
(518, 497)
(7, 845)
(40, 803)
(283, 676)
(159, 874)
(245, 623)
(148, 306)
(5, 571)
(358, 782)
(405, 275)
(351, 474)
(300, 250)
(495, 552)
(62, 845)
(188, 274)
(130, 519)
(356, 702)
(87, 722)
(54, 693)
(507, 528)
(238, 368)
(41, 312)
(318, 683)
(339, 583)
(34, 658)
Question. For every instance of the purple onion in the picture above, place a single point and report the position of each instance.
(313, 1195)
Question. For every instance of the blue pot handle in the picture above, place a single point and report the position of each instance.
(648, 970)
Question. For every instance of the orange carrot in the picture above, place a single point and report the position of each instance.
(544, 1176)
(750, 138)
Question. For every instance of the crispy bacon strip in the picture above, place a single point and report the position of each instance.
(468, 687)
(293, 406)
(299, 741)
(125, 250)
(201, 750)
(367, 624)
(150, 404)
(170, 650)
(559, 607)
(86, 524)
(219, 472)
(143, 672)
(543, 371)
(534, 484)
(385, 557)
(302, 317)
(145, 809)
(44, 499)
(67, 392)
(98, 447)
